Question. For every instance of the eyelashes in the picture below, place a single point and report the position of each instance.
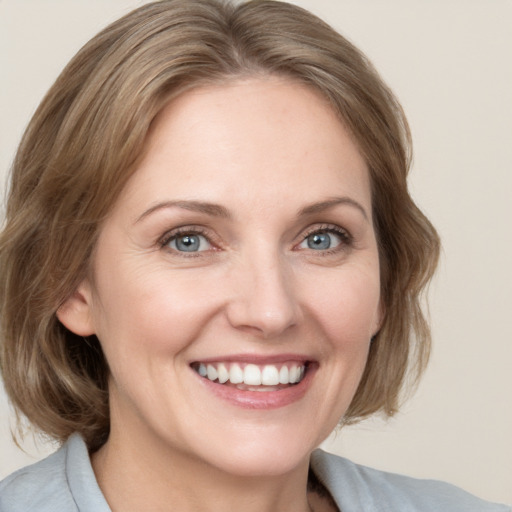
(194, 241)
(188, 240)
(327, 238)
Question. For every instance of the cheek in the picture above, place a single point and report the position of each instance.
(346, 304)
(152, 312)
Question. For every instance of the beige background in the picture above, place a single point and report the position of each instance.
(450, 63)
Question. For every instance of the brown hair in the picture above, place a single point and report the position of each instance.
(84, 143)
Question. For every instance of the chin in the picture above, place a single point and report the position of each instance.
(266, 461)
(257, 452)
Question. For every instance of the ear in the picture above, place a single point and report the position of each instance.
(76, 312)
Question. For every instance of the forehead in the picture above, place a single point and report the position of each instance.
(259, 140)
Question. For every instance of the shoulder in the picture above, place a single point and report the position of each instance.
(41, 486)
(64, 481)
(357, 488)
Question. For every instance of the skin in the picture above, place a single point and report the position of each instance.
(263, 150)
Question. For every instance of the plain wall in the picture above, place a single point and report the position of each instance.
(450, 63)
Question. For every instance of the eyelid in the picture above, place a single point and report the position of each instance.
(344, 233)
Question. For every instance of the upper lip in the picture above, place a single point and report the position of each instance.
(258, 359)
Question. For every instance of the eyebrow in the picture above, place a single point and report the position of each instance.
(216, 210)
(330, 203)
(211, 209)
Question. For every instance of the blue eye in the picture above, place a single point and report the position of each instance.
(189, 242)
(322, 241)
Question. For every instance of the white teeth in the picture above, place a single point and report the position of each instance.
(252, 375)
(236, 374)
(270, 376)
(283, 375)
(223, 373)
(211, 372)
(296, 374)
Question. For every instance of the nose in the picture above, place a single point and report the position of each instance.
(264, 301)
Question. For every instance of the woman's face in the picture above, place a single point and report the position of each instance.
(241, 250)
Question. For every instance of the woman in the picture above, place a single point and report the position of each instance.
(210, 260)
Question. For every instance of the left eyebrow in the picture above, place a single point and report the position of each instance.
(330, 203)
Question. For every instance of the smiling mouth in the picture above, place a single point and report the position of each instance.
(253, 377)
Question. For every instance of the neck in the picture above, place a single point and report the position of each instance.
(149, 476)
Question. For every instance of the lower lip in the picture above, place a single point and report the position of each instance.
(261, 399)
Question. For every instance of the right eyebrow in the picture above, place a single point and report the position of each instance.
(212, 209)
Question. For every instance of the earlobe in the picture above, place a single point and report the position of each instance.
(75, 313)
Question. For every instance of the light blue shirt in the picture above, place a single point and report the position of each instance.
(65, 482)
